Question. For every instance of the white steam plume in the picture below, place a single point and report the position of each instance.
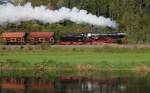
(13, 14)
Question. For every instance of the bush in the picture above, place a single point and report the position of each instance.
(21, 47)
(3, 47)
(44, 46)
(29, 47)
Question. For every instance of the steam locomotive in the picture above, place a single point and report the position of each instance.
(91, 38)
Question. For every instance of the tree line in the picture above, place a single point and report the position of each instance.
(133, 17)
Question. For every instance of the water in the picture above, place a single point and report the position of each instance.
(67, 84)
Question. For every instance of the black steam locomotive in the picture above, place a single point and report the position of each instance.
(93, 38)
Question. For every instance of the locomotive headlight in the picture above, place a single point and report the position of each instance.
(89, 35)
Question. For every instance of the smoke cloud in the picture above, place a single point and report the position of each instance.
(14, 14)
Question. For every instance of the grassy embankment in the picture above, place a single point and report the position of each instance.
(74, 59)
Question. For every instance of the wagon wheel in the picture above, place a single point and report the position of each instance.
(52, 41)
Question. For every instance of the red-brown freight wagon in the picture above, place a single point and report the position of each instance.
(13, 37)
(41, 37)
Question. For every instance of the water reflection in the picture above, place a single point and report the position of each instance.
(26, 85)
(74, 85)
(92, 85)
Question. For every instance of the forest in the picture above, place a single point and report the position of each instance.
(133, 17)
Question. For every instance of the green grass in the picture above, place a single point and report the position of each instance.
(77, 59)
(97, 56)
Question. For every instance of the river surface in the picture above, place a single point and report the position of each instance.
(75, 84)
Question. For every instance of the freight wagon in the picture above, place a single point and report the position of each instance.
(90, 38)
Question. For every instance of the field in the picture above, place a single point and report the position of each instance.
(74, 58)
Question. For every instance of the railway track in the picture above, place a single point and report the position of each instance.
(78, 46)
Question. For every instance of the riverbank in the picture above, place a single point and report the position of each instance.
(74, 59)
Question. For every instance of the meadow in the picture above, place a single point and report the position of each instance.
(74, 59)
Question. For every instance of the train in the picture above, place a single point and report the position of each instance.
(83, 38)
(64, 84)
